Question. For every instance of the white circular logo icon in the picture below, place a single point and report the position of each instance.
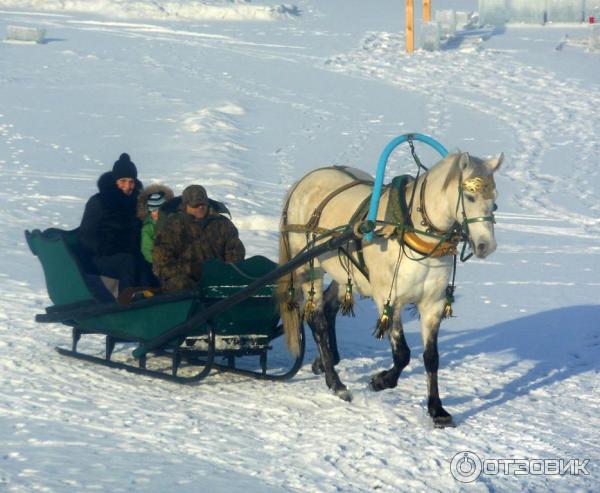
(465, 467)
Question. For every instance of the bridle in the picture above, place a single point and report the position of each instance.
(483, 185)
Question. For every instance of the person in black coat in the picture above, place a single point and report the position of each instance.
(110, 229)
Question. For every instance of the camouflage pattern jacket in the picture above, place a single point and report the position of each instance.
(183, 242)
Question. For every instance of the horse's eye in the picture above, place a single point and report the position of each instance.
(495, 208)
(470, 198)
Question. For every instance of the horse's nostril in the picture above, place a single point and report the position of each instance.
(481, 247)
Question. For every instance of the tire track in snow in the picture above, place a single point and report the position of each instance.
(544, 113)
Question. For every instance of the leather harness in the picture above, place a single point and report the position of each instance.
(312, 226)
(397, 212)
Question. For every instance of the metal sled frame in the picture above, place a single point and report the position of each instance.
(179, 355)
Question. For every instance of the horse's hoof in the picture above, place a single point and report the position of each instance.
(383, 380)
(344, 394)
(441, 417)
(374, 387)
(443, 422)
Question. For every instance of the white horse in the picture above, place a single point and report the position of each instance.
(397, 267)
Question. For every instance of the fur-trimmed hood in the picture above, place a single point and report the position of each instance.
(110, 195)
(109, 224)
(142, 210)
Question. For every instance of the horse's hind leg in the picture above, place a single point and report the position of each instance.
(430, 325)
(331, 306)
(312, 288)
(318, 324)
(388, 379)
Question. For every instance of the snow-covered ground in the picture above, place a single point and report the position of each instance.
(246, 97)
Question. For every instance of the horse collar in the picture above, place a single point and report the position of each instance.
(400, 214)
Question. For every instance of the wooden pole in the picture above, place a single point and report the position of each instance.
(426, 11)
(410, 26)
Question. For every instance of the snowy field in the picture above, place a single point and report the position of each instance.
(245, 98)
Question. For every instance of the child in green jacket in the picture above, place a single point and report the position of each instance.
(149, 203)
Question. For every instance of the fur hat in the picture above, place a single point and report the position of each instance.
(143, 198)
(124, 168)
(194, 195)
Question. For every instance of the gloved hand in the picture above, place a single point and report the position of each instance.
(196, 271)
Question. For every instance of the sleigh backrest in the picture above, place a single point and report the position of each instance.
(66, 281)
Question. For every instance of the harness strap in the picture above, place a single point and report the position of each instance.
(316, 215)
(359, 264)
(359, 215)
(398, 211)
(284, 227)
(284, 213)
(312, 226)
(302, 228)
(426, 222)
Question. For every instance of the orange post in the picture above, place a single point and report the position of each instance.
(410, 26)
(426, 10)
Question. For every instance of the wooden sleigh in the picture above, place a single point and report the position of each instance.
(142, 329)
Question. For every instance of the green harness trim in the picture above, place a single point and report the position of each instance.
(397, 214)
(397, 210)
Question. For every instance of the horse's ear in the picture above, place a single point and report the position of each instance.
(463, 161)
(494, 163)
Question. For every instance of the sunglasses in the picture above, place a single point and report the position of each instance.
(196, 206)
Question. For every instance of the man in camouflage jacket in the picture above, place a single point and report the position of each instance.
(189, 235)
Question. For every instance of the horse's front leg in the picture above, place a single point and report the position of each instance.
(388, 379)
(320, 329)
(430, 324)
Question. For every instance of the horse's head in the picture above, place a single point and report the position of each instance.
(476, 201)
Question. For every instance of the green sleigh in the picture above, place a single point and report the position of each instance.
(178, 336)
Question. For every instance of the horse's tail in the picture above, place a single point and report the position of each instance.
(289, 298)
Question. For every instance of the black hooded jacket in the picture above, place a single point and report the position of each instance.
(110, 224)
